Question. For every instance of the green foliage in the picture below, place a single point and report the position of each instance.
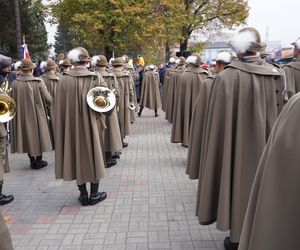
(209, 15)
(63, 39)
(137, 26)
(32, 26)
(122, 26)
(7, 29)
(198, 48)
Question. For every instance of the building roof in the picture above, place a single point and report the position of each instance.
(218, 45)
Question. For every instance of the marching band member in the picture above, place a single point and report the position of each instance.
(112, 136)
(79, 146)
(243, 106)
(150, 97)
(292, 71)
(126, 96)
(30, 131)
(187, 92)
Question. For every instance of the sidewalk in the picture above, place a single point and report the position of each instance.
(150, 205)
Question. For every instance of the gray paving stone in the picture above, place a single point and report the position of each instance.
(150, 204)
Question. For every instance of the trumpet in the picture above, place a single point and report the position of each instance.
(101, 99)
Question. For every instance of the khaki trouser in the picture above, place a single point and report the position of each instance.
(3, 158)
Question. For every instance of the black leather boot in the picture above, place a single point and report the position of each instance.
(39, 163)
(109, 160)
(84, 197)
(125, 144)
(5, 199)
(229, 245)
(140, 111)
(32, 161)
(155, 111)
(96, 196)
(116, 155)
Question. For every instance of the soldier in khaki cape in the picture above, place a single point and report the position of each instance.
(112, 137)
(272, 219)
(292, 72)
(5, 239)
(79, 146)
(188, 90)
(4, 166)
(65, 66)
(50, 78)
(150, 96)
(243, 106)
(30, 131)
(126, 96)
(173, 85)
(130, 69)
(199, 117)
(170, 69)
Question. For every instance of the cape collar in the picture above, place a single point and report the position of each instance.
(197, 70)
(79, 71)
(27, 78)
(254, 65)
(103, 72)
(51, 77)
(119, 73)
(295, 64)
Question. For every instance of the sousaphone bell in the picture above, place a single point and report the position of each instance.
(101, 99)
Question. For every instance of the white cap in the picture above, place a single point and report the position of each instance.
(172, 60)
(224, 56)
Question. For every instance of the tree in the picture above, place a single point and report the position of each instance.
(33, 27)
(31, 15)
(8, 45)
(212, 14)
(63, 40)
(18, 23)
(121, 26)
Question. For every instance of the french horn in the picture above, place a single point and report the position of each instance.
(101, 99)
(8, 105)
(8, 108)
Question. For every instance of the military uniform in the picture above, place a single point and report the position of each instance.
(4, 166)
(150, 97)
(112, 136)
(79, 146)
(126, 96)
(29, 129)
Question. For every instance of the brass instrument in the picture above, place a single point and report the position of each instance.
(101, 99)
(8, 105)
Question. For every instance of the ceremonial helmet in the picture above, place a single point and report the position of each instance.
(247, 40)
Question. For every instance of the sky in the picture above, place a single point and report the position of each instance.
(280, 17)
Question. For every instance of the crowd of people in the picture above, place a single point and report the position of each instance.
(238, 120)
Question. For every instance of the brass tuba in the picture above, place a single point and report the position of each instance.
(8, 105)
(101, 99)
